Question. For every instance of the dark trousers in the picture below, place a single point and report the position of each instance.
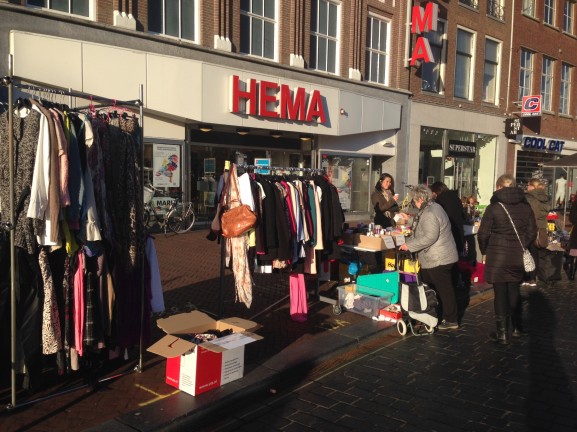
(507, 296)
(441, 280)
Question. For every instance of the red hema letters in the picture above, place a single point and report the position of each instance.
(424, 20)
(262, 97)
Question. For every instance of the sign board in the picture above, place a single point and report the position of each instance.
(542, 144)
(166, 165)
(512, 127)
(465, 149)
(531, 106)
(264, 162)
(209, 165)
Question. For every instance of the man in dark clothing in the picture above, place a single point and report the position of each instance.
(449, 200)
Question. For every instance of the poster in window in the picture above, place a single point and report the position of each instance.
(340, 177)
(166, 165)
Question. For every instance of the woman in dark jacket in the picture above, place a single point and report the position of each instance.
(504, 254)
(540, 203)
(384, 201)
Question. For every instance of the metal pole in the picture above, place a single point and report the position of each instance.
(142, 273)
(14, 282)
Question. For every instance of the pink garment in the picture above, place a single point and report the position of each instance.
(298, 297)
(78, 311)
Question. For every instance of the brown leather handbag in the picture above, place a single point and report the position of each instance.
(236, 221)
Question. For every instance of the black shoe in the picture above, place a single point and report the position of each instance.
(518, 332)
(445, 325)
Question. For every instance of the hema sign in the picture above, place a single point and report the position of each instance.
(269, 99)
(423, 20)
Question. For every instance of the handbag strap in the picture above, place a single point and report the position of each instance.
(514, 227)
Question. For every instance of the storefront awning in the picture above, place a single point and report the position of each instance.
(565, 162)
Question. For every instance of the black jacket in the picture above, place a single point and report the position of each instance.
(497, 238)
(452, 205)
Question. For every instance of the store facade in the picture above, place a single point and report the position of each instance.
(204, 108)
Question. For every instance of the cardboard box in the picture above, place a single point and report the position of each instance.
(196, 369)
(392, 313)
(372, 242)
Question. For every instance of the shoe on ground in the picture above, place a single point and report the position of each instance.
(445, 325)
(531, 283)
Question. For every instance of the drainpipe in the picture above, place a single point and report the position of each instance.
(510, 54)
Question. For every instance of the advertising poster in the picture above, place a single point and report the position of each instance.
(166, 165)
(341, 178)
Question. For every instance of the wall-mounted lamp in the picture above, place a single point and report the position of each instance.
(513, 141)
(275, 134)
(388, 144)
(242, 131)
(343, 112)
(306, 137)
(205, 127)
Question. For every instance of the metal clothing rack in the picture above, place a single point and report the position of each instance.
(223, 245)
(9, 82)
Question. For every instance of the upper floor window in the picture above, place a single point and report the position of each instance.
(525, 73)
(432, 72)
(471, 3)
(529, 7)
(178, 18)
(565, 88)
(464, 64)
(546, 83)
(496, 9)
(568, 9)
(377, 61)
(75, 7)
(491, 71)
(324, 35)
(258, 28)
(549, 17)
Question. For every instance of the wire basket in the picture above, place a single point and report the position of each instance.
(148, 194)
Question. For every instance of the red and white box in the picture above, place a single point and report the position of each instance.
(196, 369)
(391, 313)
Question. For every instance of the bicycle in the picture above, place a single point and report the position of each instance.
(179, 217)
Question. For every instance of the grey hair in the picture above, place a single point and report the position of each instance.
(421, 192)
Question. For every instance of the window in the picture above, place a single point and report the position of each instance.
(377, 61)
(549, 17)
(565, 88)
(525, 74)
(529, 7)
(464, 64)
(178, 18)
(324, 32)
(258, 28)
(568, 16)
(471, 3)
(75, 7)
(546, 83)
(432, 73)
(491, 70)
(495, 9)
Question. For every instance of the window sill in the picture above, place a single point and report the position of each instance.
(566, 116)
(471, 8)
(531, 17)
(552, 27)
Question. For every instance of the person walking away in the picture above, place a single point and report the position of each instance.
(384, 201)
(433, 242)
(573, 242)
(471, 214)
(498, 243)
(560, 185)
(539, 201)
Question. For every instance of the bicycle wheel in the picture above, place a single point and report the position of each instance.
(181, 219)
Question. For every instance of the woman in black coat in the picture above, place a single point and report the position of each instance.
(504, 254)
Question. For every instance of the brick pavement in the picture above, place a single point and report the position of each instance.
(452, 381)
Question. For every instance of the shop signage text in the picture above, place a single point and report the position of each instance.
(531, 106)
(423, 20)
(467, 149)
(269, 99)
(543, 144)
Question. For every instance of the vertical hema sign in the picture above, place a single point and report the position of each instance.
(423, 20)
(269, 99)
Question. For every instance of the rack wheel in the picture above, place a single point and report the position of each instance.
(429, 329)
(337, 310)
(402, 327)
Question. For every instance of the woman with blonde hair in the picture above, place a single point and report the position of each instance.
(507, 226)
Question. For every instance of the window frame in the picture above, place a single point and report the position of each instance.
(441, 61)
(565, 89)
(569, 19)
(471, 57)
(315, 34)
(497, 68)
(528, 8)
(526, 73)
(196, 22)
(369, 50)
(252, 16)
(48, 3)
(547, 77)
(549, 10)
